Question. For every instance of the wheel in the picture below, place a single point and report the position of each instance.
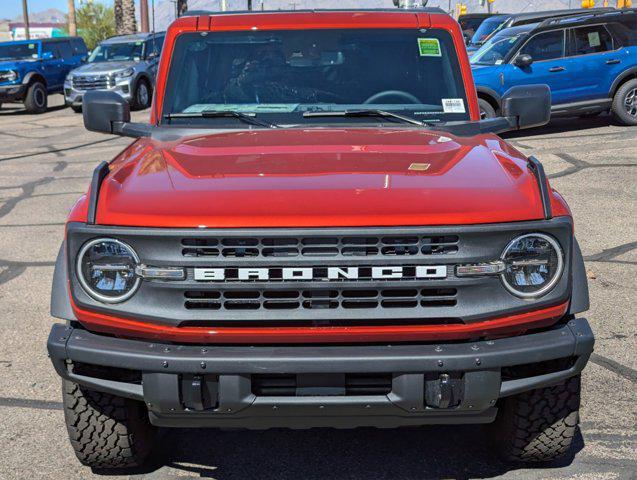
(36, 99)
(538, 426)
(624, 105)
(486, 110)
(76, 108)
(142, 96)
(106, 431)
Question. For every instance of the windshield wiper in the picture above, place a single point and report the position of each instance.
(223, 114)
(365, 113)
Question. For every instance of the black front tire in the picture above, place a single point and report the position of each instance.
(624, 105)
(107, 431)
(142, 96)
(538, 426)
(486, 109)
(36, 100)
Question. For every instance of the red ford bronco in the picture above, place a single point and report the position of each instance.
(317, 229)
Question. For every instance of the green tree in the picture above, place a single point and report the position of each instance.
(95, 22)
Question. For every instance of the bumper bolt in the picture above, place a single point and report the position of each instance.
(164, 364)
(440, 363)
(438, 348)
(166, 349)
(204, 350)
(475, 348)
(203, 365)
(478, 361)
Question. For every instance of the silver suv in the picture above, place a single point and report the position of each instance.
(126, 64)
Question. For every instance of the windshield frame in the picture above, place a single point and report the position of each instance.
(522, 36)
(459, 66)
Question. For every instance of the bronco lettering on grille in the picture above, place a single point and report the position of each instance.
(320, 274)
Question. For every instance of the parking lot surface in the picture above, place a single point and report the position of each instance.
(46, 162)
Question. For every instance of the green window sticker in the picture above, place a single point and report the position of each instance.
(429, 47)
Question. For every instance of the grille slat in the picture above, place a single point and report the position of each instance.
(347, 298)
(95, 82)
(386, 246)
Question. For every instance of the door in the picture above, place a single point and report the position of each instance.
(69, 60)
(550, 67)
(596, 62)
(53, 66)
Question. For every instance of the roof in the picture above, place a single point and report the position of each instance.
(521, 17)
(42, 40)
(198, 13)
(480, 15)
(135, 37)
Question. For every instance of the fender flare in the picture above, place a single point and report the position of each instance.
(60, 294)
(490, 92)
(620, 78)
(27, 78)
(579, 298)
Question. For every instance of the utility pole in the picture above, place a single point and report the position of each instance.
(249, 4)
(72, 23)
(143, 14)
(25, 14)
(224, 5)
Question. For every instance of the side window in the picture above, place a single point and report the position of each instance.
(52, 48)
(65, 50)
(545, 46)
(79, 48)
(592, 39)
(153, 46)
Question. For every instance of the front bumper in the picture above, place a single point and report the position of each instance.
(12, 93)
(212, 386)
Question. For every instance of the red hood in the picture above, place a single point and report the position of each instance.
(319, 177)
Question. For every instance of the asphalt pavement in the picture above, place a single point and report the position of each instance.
(46, 162)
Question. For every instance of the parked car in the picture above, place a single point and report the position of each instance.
(470, 22)
(126, 64)
(496, 23)
(31, 70)
(589, 62)
(316, 229)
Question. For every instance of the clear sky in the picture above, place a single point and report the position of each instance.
(13, 8)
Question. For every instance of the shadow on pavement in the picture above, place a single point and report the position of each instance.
(562, 125)
(365, 453)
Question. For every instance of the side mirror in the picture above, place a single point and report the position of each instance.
(523, 60)
(108, 112)
(48, 56)
(527, 106)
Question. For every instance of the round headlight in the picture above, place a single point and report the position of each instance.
(533, 265)
(106, 270)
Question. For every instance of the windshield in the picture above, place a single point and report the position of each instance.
(117, 52)
(18, 51)
(494, 51)
(281, 75)
(486, 28)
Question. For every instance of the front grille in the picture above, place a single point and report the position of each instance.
(352, 384)
(320, 246)
(319, 299)
(95, 82)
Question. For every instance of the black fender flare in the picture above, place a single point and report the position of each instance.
(489, 92)
(60, 294)
(579, 298)
(29, 76)
(139, 78)
(620, 78)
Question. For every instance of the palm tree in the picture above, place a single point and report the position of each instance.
(129, 21)
(119, 17)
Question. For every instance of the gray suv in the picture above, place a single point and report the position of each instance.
(126, 64)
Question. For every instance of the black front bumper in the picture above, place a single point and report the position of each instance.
(185, 385)
(12, 93)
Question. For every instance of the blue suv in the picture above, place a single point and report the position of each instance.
(30, 70)
(588, 61)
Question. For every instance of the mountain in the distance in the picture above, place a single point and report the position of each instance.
(50, 15)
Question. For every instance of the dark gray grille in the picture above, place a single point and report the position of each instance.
(318, 299)
(320, 246)
(285, 385)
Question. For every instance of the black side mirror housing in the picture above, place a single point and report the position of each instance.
(528, 106)
(108, 112)
(523, 60)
